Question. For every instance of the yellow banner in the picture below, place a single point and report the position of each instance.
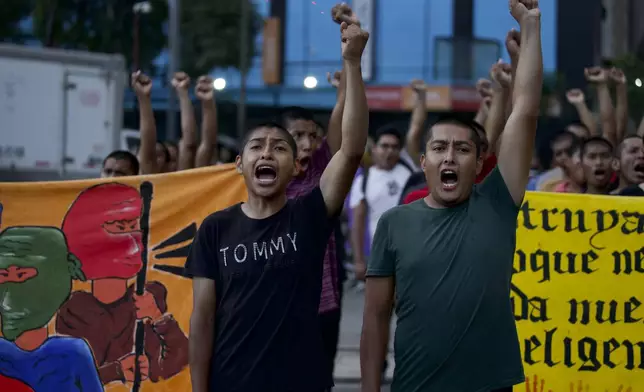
(72, 286)
(577, 290)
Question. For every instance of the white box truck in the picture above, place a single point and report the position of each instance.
(61, 112)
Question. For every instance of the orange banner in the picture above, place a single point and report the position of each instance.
(71, 258)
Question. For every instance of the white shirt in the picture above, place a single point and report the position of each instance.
(383, 191)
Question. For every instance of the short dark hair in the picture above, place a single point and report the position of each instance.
(387, 130)
(575, 146)
(620, 146)
(575, 142)
(271, 125)
(320, 126)
(595, 140)
(563, 135)
(471, 125)
(122, 155)
(293, 113)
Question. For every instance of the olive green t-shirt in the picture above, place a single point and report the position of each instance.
(452, 269)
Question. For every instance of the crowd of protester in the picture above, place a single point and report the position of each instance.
(599, 154)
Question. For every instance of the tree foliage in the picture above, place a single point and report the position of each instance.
(12, 12)
(209, 30)
(105, 26)
(633, 68)
(211, 34)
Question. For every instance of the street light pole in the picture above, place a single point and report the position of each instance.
(135, 43)
(243, 66)
(174, 20)
(140, 7)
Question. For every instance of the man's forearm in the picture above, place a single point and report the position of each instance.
(200, 351)
(208, 146)
(414, 136)
(373, 350)
(355, 120)
(529, 73)
(188, 142)
(148, 137)
(586, 117)
(357, 241)
(621, 111)
(334, 134)
(606, 112)
(496, 117)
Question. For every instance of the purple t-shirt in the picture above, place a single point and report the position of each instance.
(300, 186)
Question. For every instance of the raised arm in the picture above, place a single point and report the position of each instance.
(501, 74)
(207, 150)
(338, 175)
(379, 299)
(188, 142)
(484, 88)
(334, 134)
(599, 77)
(621, 103)
(417, 121)
(515, 154)
(142, 86)
(512, 45)
(202, 332)
(577, 99)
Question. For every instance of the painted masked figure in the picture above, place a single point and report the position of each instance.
(102, 229)
(36, 272)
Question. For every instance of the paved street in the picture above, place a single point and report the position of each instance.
(347, 368)
(352, 388)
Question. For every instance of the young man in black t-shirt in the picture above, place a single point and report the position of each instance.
(257, 266)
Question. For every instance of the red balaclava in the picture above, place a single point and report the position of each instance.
(102, 230)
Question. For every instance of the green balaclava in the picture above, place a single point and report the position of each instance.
(36, 273)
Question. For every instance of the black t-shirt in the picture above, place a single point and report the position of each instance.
(268, 277)
(634, 190)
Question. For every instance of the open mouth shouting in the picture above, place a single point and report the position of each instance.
(600, 174)
(266, 174)
(304, 163)
(449, 179)
(639, 169)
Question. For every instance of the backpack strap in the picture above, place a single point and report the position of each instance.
(406, 165)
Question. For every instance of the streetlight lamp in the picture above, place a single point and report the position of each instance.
(219, 84)
(141, 7)
(310, 82)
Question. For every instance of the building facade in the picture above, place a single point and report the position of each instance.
(447, 43)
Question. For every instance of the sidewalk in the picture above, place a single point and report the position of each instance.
(347, 363)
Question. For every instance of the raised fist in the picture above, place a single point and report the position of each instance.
(354, 40)
(575, 96)
(335, 79)
(484, 88)
(501, 73)
(617, 76)
(418, 86)
(513, 44)
(181, 81)
(521, 9)
(343, 13)
(205, 90)
(141, 84)
(596, 75)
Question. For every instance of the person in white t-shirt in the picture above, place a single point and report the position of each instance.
(377, 190)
